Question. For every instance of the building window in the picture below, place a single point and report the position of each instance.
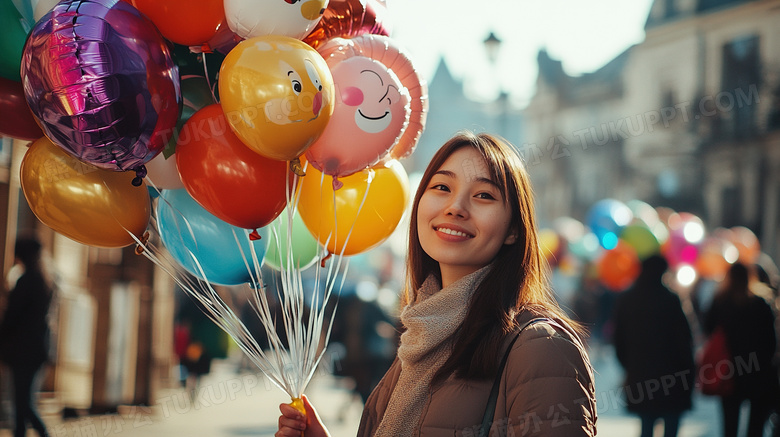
(740, 85)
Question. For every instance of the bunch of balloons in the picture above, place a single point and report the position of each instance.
(617, 236)
(235, 110)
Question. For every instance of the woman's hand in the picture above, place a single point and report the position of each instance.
(293, 424)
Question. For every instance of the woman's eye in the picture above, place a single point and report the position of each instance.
(485, 196)
(440, 187)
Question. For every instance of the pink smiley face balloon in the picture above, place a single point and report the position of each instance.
(369, 115)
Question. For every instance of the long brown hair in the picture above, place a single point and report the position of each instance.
(518, 278)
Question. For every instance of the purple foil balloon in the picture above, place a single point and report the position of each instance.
(99, 78)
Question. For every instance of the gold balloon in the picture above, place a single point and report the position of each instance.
(92, 206)
(388, 196)
(277, 94)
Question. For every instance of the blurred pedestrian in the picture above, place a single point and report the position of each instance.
(748, 323)
(25, 335)
(207, 342)
(654, 344)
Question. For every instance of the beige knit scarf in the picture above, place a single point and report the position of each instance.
(430, 321)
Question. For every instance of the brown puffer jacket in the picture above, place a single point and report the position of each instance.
(546, 390)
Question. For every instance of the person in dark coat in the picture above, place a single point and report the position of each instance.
(24, 334)
(748, 322)
(654, 344)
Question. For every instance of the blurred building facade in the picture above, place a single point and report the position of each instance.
(451, 110)
(688, 119)
(112, 317)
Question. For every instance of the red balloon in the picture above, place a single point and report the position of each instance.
(224, 176)
(17, 120)
(184, 21)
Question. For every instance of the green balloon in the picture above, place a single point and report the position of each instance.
(305, 248)
(641, 239)
(12, 40)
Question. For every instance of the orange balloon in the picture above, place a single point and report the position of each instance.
(618, 268)
(366, 226)
(747, 244)
(93, 206)
(184, 21)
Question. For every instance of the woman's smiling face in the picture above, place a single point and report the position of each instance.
(462, 218)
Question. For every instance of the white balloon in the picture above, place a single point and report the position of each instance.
(249, 18)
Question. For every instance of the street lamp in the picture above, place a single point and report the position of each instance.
(492, 47)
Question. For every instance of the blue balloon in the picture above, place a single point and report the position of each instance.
(188, 230)
(606, 218)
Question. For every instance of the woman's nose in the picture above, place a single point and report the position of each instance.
(457, 207)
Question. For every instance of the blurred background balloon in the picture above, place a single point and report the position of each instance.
(607, 218)
(686, 232)
(15, 29)
(386, 198)
(372, 109)
(642, 211)
(16, 120)
(191, 233)
(251, 18)
(100, 79)
(184, 21)
(618, 267)
(299, 244)
(87, 204)
(715, 256)
(349, 18)
(641, 239)
(747, 244)
(291, 100)
(225, 177)
(552, 245)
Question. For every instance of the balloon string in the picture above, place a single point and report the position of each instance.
(208, 81)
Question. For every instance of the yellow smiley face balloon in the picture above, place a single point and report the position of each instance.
(277, 95)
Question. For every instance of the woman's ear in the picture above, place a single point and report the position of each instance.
(511, 238)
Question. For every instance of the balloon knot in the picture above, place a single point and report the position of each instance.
(140, 174)
(296, 167)
(337, 183)
(139, 249)
(254, 235)
(206, 48)
(327, 257)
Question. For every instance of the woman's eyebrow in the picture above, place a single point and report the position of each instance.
(479, 179)
(485, 180)
(445, 173)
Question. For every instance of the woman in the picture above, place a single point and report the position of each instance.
(476, 276)
(748, 323)
(24, 333)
